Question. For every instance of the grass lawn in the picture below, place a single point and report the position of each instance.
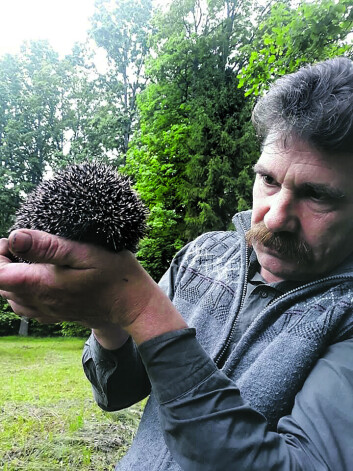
(48, 418)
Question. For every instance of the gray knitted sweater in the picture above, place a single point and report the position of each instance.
(269, 365)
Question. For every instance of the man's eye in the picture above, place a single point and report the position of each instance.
(319, 198)
(268, 180)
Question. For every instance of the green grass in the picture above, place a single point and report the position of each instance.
(48, 418)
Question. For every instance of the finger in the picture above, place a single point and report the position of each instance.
(4, 246)
(5, 254)
(18, 277)
(4, 294)
(24, 311)
(31, 313)
(42, 247)
(10, 296)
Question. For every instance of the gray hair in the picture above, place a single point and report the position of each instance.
(314, 104)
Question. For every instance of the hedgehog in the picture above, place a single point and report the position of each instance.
(88, 202)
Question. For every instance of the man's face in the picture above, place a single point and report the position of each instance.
(303, 207)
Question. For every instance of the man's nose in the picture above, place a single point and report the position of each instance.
(281, 215)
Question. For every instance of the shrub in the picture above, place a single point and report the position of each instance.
(36, 329)
(72, 329)
(9, 322)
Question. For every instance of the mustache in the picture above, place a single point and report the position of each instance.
(285, 243)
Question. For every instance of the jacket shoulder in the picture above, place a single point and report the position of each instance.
(211, 244)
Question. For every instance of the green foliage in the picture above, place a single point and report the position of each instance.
(93, 121)
(30, 130)
(292, 35)
(72, 329)
(156, 179)
(121, 28)
(194, 141)
(9, 322)
(36, 329)
(161, 243)
(54, 112)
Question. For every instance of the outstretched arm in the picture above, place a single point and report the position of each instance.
(69, 281)
(108, 292)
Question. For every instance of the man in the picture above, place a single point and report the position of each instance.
(267, 383)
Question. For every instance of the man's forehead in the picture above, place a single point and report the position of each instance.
(301, 164)
(278, 152)
(292, 160)
(278, 147)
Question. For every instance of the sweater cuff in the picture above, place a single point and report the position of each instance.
(175, 363)
(109, 358)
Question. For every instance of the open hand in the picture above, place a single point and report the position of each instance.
(70, 281)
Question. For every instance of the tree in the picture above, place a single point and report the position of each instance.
(31, 132)
(189, 155)
(91, 120)
(293, 35)
(122, 28)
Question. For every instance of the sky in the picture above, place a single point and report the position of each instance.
(61, 22)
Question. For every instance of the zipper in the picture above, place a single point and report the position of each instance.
(275, 300)
(308, 285)
(279, 298)
(231, 333)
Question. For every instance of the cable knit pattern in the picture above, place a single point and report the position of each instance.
(270, 363)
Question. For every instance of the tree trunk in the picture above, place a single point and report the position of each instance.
(24, 327)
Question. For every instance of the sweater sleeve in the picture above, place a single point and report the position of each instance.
(118, 377)
(208, 426)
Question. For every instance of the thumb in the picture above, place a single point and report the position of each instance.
(42, 247)
(20, 242)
